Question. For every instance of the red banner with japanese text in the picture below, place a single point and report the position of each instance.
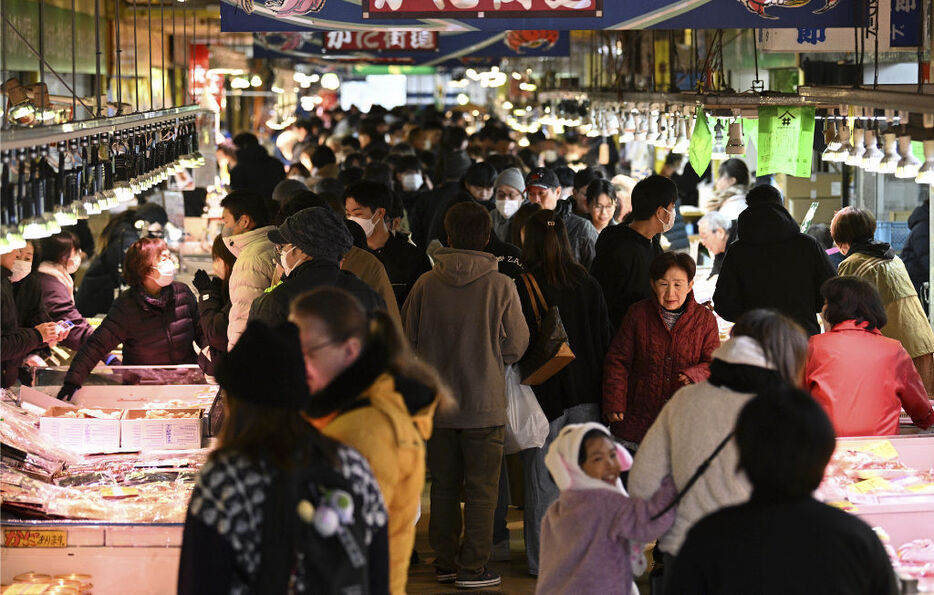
(200, 78)
(481, 9)
(370, 41)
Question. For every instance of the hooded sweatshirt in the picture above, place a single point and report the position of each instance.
(464, 318)
(691, 425)
(772, 265)
(592, 535)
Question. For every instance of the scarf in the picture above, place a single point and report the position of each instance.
(60, 274)
(873, 248)
(741, 366)
(349, 384)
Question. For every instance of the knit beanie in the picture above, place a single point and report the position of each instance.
(510, 177)
(316, 231)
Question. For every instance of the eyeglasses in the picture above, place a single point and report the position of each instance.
(318, 347)
(282, 248)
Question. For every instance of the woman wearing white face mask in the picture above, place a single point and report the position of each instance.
(17, 342)
(156, 319)
(61, 257)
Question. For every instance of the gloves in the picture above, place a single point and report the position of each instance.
(202, 281)
(68, 391)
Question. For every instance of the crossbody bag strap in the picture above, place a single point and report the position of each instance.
(538, 292)
(697, 474)
(528, 288)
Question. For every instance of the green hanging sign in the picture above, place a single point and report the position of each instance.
(786, 141)
(701, 144)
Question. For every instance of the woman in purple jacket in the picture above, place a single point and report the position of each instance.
(61, 257)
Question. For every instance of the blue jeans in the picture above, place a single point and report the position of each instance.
(540, 489)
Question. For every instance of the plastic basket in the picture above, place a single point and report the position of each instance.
(893, 232)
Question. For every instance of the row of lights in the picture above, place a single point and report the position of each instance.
(860, 146)
(179, 151)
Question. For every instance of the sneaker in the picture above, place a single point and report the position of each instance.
(486, 578)
(445, 576)
(500, 552)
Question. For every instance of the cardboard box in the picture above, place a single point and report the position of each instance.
(818, 185)
(139, 433)
(798, 207)
(79, 434)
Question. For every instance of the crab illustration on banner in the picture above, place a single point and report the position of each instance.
(284, 8)
(520, 40)
(759, 6)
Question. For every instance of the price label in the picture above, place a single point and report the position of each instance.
(876, 484)
(882, 449)
(46, 538)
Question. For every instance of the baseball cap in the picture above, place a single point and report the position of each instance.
(543, 178)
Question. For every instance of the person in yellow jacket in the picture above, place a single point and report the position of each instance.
(370, 393)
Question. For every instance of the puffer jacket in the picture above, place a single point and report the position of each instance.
(581, 233)
(388, 419)
(772, 265)
(16, 342)
(96, 292)
(60, 305)
(153, 330)
(251, 275)
(464, 318)
(645, 359)
(907, 322)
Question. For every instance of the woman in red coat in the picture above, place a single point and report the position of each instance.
(860, 378)
(662, 344)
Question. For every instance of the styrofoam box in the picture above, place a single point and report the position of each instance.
(137, 432)
(82, 435)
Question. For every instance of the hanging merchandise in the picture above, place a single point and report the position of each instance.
(786, 139)
(701, 147)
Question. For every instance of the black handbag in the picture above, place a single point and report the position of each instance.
(551, 352)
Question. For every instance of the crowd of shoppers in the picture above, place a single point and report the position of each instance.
(384, 281)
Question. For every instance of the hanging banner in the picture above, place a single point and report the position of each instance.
(479, 9)
(378, 41)
(905, 22)
(701, 147)
(555, 15)
(452, 48)
(786, 141)
(200, 79)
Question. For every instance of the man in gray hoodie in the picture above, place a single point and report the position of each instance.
(464, 317)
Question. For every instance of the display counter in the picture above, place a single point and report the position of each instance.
(125, 375)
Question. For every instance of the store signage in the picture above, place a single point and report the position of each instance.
(786, 140)
(44, 538)
(200, 78)
(552, 15)
(480, 9)
(379, 41)
(905, 23)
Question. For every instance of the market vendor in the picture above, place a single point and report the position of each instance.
(156, 319)
(61, 257)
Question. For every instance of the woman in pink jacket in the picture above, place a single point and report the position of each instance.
(862, 379)
(663, 343)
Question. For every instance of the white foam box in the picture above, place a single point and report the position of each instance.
(139, 433)
(81, 435)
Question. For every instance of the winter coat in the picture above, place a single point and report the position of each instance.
(16, 342)
(772, 265)
(60, 304)
(464, 318)
(688, 429)
(251, 275)
(30, 308)
(591, 535)
(273, 306)
(907, 321)
(387, 419)
(426, 209)
(256, 171)
(917, 251)
(645, 359)
(863, 380)
(103, 278)
(502, 227)
(621, 266)
(371, 271)
(775, 545)
(156, 330)
(581, 233)
(587, 323)
(213, 313)
(404, 264)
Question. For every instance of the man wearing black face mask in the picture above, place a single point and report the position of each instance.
(624, 252)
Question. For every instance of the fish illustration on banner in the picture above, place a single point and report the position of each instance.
(286, 8)
(759, 6)
(520, 40)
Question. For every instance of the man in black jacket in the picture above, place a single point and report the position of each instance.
(772, 264)
(310, 245)
(625, 251)
(255, 170)
(542, 187)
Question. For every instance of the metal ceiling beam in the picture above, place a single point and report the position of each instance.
(891, 97)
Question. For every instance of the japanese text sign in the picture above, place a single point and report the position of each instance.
(786, 140)
(375, 9)
(16, 538)
(905, 18)
(380, 41)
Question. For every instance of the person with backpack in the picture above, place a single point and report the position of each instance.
(279, 507)
(370, 393)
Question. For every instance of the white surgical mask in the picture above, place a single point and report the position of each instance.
(666, 227)
(20, 269)
(73, 263)
(411, 182)
(284, 261)
(166, 270)
(367, 224)
(508, 207)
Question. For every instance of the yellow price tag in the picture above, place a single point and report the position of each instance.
(876, 484)
(922, 487)
(882, 449)
(35, 538)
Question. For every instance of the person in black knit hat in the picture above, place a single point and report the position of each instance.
(278, 504)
